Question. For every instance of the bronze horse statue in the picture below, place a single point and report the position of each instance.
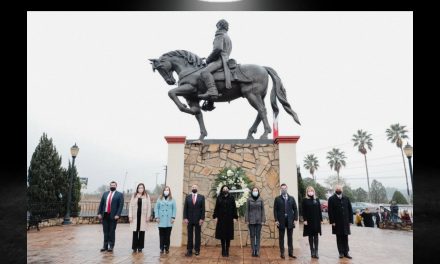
(252, 85)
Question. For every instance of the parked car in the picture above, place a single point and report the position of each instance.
(361, 206)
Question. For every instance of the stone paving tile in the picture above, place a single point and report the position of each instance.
(81, 244)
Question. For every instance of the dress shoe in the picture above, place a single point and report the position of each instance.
(282, 256)
(341, 255)
(197, 253)
(348, 256)
(110, 250)
(292, 256)
(103, 249)
(189, 254)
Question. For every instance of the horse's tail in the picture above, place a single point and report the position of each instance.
(279, 92)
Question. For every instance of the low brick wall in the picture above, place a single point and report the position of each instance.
(82, 220)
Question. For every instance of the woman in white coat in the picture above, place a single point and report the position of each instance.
(139, 213)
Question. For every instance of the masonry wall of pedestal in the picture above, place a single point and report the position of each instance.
(202, 163)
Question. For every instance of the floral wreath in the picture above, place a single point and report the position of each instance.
(235, 179)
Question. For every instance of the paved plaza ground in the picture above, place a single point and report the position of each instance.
(81, 244)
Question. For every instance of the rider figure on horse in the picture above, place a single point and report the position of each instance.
(216, 60)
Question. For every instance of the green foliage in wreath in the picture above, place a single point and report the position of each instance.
(235, 179)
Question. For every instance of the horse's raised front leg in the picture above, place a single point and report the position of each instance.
(183, 90)
(195, 106)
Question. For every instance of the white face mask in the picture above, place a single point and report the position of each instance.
(255, 194)
(166, 193)
(311, 193)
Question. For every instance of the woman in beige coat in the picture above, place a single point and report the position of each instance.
(139, 213)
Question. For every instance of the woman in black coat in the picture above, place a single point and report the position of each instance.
(224, 213)
(312, 216)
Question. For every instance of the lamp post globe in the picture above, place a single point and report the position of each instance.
(408, 149)
(74, 152)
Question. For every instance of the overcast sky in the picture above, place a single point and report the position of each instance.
(90, 82)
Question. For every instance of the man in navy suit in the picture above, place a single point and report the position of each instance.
(194, 216)
(109, 211)
(285, 214)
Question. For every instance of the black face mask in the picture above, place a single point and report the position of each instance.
(338, 192)
(194, 190)
(225, 193)
(112, 189)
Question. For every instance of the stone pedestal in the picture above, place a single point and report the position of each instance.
(267, 163)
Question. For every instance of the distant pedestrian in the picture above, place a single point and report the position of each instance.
(394, 211)
(358, 218)
(367, 217)
(377, 217)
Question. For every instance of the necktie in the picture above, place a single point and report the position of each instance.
(286, 205)
(109, 202)
(194, 199)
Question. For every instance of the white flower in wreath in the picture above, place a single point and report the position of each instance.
(229, 173)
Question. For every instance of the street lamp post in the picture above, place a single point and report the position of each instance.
(409, 152)
(74, 152)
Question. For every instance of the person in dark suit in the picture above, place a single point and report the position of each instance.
(194, 216)
(312, 216)
(285, 213)
(109, 211)
(340, 214)
(225, 212)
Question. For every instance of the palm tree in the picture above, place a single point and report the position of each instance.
(363, 140)
(311, 164)
(395, 134)
(336, 159)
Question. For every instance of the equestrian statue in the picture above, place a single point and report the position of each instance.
(221, 79)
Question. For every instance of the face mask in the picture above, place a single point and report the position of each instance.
(194, 190)
(225, 192)
(311, 193)
(283, 192)
(338, 192)
(165, 193)
(255, 194)
(112, 189)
